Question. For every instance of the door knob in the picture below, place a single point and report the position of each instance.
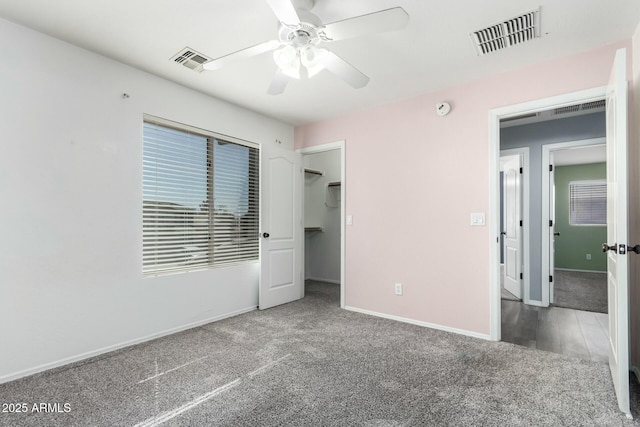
(265, 235)
(606, 248)
(556, 234)
(635, 249)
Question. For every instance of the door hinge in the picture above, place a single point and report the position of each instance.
(550, 223)
(520, 170)
(550, 168)
(521, 276)
(520, 223)
(550, 279)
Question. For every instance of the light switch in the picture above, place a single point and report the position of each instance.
(349, 219)
(477, 219)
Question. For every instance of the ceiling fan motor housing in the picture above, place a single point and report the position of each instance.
(304, 34)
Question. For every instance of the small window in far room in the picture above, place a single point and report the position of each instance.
(588, 202)
(200, 199)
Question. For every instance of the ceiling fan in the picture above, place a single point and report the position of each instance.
(299, 36)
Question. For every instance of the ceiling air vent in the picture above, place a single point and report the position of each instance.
(508, 33)
(190, 58)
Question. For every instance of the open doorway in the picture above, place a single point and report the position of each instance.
(577, 209)
(324, 219)
(533, 321)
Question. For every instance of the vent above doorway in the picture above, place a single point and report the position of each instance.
(190, 58)
(508, 33)
(555, 113)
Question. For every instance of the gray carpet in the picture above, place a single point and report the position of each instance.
(310, 363)
(580, 291)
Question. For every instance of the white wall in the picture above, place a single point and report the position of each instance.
(71, 189)
(322, 249)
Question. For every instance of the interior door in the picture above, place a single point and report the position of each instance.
(617, 233)
(281, 235)
(512, 231)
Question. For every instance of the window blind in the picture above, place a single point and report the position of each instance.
(200, 200)
(235, 189)
(588, 203)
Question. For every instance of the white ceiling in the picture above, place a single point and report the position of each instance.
(433, 52)
(580, 156)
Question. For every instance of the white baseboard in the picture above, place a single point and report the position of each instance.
(98, 352)
(421, 323)
(318, 279)
(580, 271)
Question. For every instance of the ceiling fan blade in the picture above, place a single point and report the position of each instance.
(376, 22)
(285, 12)
(344, 70)
(279, 83)
(216, 64)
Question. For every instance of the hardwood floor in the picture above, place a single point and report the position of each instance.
(575, 333)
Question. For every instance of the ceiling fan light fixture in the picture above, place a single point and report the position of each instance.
(311, 58)
(285, 57)
(293, 70)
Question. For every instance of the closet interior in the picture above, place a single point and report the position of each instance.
(322, 202)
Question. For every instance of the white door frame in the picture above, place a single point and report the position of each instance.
(338, 145)
(495, 115)
(523, 152)
(547, 149)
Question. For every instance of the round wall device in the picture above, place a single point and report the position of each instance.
(443, 108)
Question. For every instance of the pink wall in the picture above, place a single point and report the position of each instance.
(412, 180)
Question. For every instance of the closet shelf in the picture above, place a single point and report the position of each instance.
(312, 229)
(313, 172)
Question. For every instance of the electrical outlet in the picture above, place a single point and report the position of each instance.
(398, 288)
(588, 257)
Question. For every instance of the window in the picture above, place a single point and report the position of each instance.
(200, 199)
(588, 202)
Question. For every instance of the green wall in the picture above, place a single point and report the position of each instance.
(575, 242)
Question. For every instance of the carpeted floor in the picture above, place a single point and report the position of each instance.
(580, 290)
(309, 363)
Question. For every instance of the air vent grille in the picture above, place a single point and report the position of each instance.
(190, 58)
(567, 110)
(593, 105)
(514, 31)
(587, 106)
(524, 116)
